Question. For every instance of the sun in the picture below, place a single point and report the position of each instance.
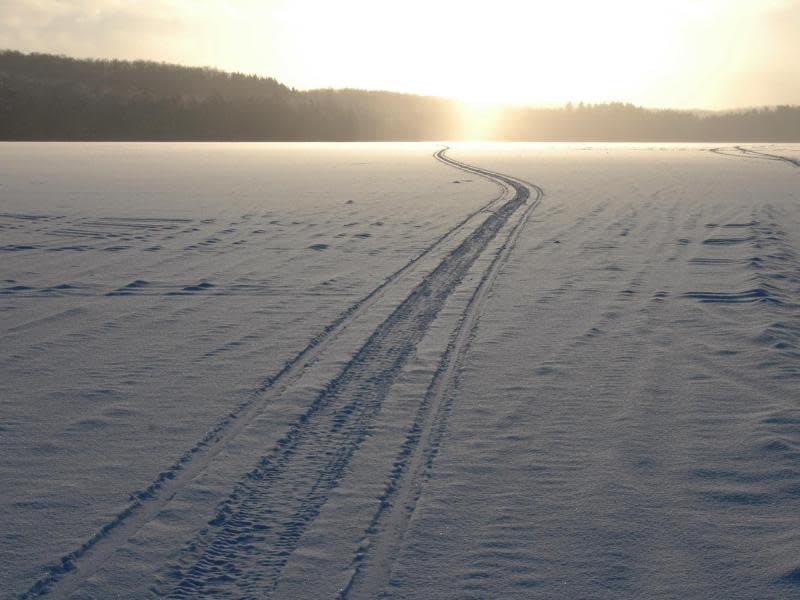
(539, 52)
(519, 52)
(478, 120)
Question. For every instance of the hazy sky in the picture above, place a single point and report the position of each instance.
(682, 53)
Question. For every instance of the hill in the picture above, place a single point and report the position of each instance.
(47, 97)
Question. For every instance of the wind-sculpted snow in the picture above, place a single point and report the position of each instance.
(249, 541)
(767, 262)
(149, 322)
(431, 386)
(627, 418)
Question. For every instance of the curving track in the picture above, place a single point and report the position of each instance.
(742, 152)
(371, 568)
(247, 544)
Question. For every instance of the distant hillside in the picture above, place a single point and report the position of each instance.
(46, 97)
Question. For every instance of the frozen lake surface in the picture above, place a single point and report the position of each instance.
(362, 370)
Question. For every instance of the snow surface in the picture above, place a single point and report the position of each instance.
(592, 396)
(148, 289)
(628, 422)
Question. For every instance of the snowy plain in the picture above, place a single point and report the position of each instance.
(353, 370)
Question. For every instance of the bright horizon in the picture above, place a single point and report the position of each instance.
(698, 54)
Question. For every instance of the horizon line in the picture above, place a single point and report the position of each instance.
(576, 104)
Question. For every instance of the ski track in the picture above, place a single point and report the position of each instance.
(248, 543)
(333, 427)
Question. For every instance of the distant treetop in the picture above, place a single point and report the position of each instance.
(47, 97)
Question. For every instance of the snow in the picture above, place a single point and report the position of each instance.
(627, 422)
(593, 396)
(164, 283)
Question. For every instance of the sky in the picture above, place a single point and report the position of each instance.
(700, 54)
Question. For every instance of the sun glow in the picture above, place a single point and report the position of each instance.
(680, 53)
(539, 52)
(479, 119)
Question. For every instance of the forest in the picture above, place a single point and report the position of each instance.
(49, 97)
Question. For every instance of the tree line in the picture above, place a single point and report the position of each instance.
(48, 97)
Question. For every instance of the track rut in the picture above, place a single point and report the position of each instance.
(742, 152)
(246, 545)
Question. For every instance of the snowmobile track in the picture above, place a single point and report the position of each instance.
(331, 430)
(743, 152)
(243, 552)
(372, 562)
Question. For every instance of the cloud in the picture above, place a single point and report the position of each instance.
(696, 53)
(104, 28)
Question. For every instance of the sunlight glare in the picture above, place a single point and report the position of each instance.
(479, 119)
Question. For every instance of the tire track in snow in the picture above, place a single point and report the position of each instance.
(373, 560)
(747, 153)
(61, 579)
(246, 546)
